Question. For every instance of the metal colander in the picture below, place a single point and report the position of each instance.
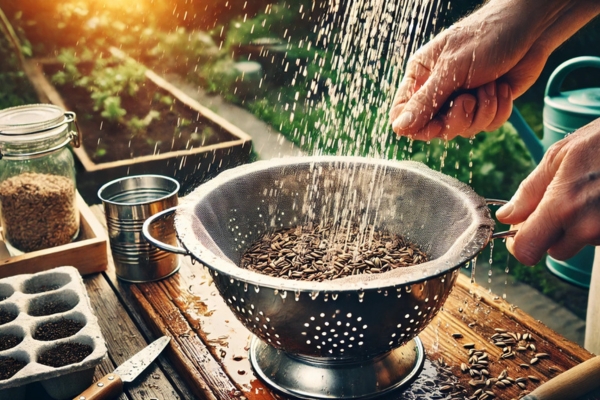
(347, 321)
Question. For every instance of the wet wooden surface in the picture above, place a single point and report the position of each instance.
(208, 355)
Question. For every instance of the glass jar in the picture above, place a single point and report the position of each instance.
(38, 197)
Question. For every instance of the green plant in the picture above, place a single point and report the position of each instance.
(106, 82)
(138, 125)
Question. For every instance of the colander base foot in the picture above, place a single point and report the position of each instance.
(316, 378)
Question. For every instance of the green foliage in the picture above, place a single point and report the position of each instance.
(107, 81)
(182, 49)
(138, 125)
(15, 88)
(111, 108)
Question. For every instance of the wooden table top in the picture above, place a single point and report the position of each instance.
(208, 354)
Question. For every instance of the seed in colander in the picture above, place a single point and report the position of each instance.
(298, 253)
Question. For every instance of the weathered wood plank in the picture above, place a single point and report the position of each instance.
(123, 293)
(123, 340)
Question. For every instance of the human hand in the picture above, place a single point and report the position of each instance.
(464, 80)
(558, 204)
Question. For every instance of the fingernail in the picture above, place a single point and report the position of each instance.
(490, 89)
(403, 121)
(505, 210)
(503, 89)
(469, 105)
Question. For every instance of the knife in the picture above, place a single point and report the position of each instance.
(111, 385)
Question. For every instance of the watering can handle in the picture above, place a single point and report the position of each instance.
(157, 243)
(558, 76)
(504, 234)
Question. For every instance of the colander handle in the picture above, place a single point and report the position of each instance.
(157, 243)
(503, 234)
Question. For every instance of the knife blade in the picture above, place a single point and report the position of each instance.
(111, 385)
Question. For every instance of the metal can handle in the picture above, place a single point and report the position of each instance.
(503, 234)
(157, 243)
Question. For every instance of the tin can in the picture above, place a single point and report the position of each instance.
(128, 202)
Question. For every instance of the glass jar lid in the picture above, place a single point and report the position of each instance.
(46, 127)
(30, 119)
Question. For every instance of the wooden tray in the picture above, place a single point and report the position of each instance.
(88, 253)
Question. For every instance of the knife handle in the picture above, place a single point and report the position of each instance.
(110, 386)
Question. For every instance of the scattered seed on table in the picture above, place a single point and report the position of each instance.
(469, 345)
(500, 330)
(521, 385)
(533, 361)
(524, 365)
(457, 335)
(554, 368)
(477, 383)
(533, 378)
(542, 355)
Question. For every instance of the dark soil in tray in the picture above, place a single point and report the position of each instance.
(10, 366)
(9, 341)
(177, 128)
(65, 354)
(49, 308)
(41, 288)
(6, 316)
(57, 329)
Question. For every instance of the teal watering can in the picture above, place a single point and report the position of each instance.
(564, 112)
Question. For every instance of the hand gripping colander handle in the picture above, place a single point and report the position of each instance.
(503, 234)
(154, 241)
